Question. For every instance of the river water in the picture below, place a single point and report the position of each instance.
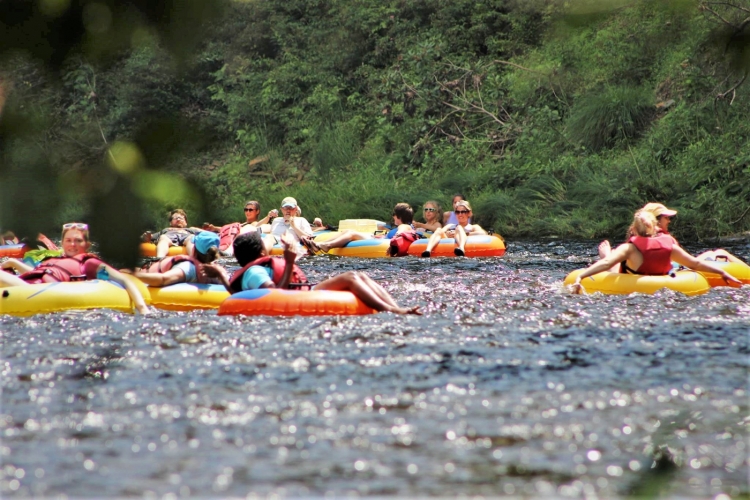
(505, 386)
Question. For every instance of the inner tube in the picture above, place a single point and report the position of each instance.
(739, 270)
(188, 296)
(687, 282)
(277, 302)
(26, 300)
(149, 250)
(14, 251)
(476, 246)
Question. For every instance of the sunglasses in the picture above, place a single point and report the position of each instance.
(430, 210)
(76, 225)
(462, 212)
(250, 209)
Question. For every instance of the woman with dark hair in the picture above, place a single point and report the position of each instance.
(184, 268)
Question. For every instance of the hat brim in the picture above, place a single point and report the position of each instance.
(288, 206)
(669, 213)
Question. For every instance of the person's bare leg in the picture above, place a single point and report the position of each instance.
(604, 249)
(162, 246)
(341, 240)
(434, 240)
(189, 245)
(353, 282)
(8, 280)
(460, 238)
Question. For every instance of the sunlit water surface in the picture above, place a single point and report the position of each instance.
(506, 386)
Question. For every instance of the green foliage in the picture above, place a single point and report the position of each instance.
(616, 114)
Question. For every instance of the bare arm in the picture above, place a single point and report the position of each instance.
(161, 279)
(135, 295)
(685, 259)
(617, 255)
(214, 270)
(295, 224)
(289, 257)
(429, 227)
(17, 265)
(477, 229)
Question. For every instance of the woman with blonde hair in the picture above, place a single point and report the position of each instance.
(433, 218)
(649, 252)
(459, 232)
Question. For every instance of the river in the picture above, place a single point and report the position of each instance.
(505, 386)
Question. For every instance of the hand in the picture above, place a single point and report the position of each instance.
(731, 279)
(212, 270)
(273, 213)
(143, 309)
(576, 287)
(146, 237)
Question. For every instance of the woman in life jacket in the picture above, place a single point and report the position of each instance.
(185, 268)
(459, 232)
(664, 216)
(433, 218)
(76, 264)
(649, 252)
(262, 271)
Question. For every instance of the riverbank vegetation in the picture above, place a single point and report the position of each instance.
(554, 119)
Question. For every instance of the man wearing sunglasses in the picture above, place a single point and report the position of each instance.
(178, 234)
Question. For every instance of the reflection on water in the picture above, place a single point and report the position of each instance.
(505, 387)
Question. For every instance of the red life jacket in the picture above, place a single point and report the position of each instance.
(61, 268)
(400, 243)
(167, 263)
(277, 266)
(227, 234)
(657, 254)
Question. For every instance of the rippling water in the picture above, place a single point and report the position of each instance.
(504, 387)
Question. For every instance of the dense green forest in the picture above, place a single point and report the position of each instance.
(553, 118)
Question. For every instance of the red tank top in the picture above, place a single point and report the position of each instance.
(657, 254)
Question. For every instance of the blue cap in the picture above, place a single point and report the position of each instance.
(205, 240)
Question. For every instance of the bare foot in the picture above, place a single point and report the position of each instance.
(407, 310)
(604, 249)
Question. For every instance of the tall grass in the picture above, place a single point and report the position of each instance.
(601, 120)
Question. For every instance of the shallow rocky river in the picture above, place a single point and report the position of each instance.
(505, 386)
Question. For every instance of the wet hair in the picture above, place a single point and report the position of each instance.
(438, 210)
(177, 211)
(457, 195)
(644, 224)
(206, 258)
(247, 247)
(404, 212)
(254, 204)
